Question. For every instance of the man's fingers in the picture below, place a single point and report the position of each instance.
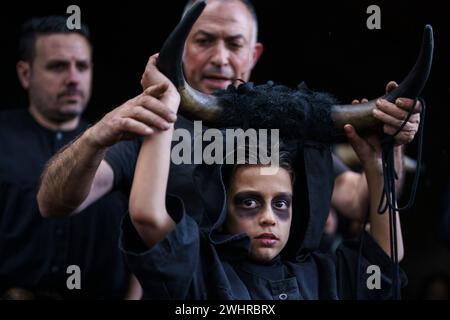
(391, 109)
(156, 106)
(147, 118)
(406, 104)
(390, 120)
(129, 125)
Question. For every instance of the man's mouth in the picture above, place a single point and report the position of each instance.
(217, 81)
(71, 94)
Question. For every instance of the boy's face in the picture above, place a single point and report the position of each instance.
(260, 206)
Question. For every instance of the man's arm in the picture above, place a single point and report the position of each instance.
(77, 176)
(74, 178)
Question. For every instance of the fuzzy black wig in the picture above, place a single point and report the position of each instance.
(298, 114)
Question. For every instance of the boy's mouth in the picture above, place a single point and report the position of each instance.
(267, 239)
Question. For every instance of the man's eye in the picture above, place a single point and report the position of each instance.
(82, 66)
(235, 45)
(58, 67)
(203, 41)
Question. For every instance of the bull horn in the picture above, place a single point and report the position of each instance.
(194, 104)
(360, 115)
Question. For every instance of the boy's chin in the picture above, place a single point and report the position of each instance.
(264, 255)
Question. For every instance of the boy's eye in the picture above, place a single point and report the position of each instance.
(280, 205)
(249, 203)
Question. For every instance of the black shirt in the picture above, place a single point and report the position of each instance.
(36, 252)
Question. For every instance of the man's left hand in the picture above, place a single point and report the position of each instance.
(393, 116)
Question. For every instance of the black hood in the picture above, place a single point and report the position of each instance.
(312, 189)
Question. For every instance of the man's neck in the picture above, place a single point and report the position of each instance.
(53, 125)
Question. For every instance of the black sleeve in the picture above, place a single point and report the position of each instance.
(338, 167)
(372, 255)
(444, 208)
(445, 227)
(167, 270)
(122, 158)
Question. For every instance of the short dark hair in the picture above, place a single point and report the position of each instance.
(35, 27)
(285, 161)
(248, 4)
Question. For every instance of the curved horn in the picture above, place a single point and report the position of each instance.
(360, 115)
(194, 104)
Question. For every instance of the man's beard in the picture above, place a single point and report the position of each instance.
(61, 113)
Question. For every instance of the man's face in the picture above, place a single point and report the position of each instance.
(221, 47)
(59, 78)
(260, 206)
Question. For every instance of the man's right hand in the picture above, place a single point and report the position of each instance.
(139, 116)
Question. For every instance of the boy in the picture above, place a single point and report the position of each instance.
(264, 243)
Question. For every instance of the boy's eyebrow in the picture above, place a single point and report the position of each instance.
(284, 195)
(256, 194)
(248, 193)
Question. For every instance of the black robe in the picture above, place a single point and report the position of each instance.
(192, 262)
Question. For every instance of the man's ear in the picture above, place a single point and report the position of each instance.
(24, 73)
(257, 52)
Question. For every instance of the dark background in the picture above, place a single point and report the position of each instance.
(325, 44)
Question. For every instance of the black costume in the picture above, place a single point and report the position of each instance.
(192, 262)
(35, 252)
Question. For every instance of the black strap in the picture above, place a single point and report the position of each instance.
(388, 199)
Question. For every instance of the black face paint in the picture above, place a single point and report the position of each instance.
(281, 205)
(249, 204)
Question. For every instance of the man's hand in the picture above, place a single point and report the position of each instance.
(154, 109)
(393, 116)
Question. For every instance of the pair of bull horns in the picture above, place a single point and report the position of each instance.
(199, 106)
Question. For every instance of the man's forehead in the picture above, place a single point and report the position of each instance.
(62, 47)
(230, 18)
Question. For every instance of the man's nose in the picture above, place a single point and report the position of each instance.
(267, 217)
(221, 55)
(73, 75)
